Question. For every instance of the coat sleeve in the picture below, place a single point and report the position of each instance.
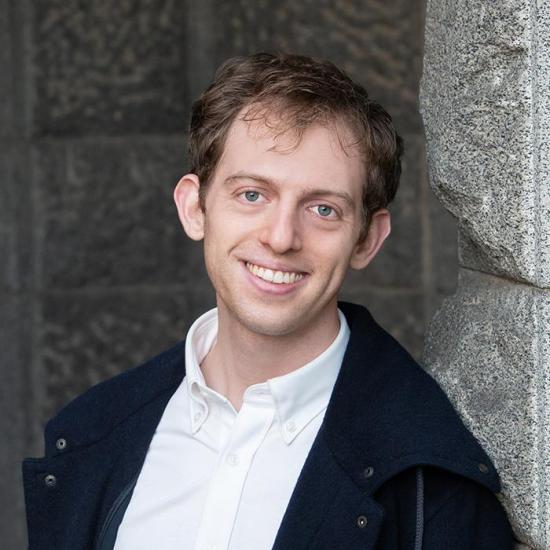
(469, 518)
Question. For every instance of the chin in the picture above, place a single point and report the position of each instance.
(269, 323)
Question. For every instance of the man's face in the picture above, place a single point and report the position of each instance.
(277, 210)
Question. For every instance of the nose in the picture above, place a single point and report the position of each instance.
(282, 230)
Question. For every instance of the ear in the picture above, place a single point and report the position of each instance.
(365, 250)
(186, 197)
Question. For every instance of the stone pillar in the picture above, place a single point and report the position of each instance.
(485, 99)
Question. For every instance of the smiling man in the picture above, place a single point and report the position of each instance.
(285, 419)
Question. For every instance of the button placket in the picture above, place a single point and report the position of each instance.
(221, 505)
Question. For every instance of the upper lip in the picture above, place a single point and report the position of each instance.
(275, 266)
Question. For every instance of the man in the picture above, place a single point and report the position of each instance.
(286, 419)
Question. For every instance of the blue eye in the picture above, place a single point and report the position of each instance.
(251, 196)
(324, 210)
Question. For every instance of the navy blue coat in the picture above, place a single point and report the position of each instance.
(392, 466)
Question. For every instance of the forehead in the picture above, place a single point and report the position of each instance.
(318, 156)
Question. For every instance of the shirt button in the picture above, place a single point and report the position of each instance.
(291, 426)
(61, 444)
(197, 417)
(232, 459)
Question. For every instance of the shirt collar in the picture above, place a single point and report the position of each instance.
(200, 339)
(299, 396)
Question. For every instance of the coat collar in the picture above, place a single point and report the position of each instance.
(385, 414)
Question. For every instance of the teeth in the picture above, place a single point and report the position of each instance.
(277, 277)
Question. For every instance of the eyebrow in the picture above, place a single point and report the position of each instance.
(346, 197)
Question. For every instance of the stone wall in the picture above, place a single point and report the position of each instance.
(94, 100)
(485, 101)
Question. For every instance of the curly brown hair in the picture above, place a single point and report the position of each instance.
(300, 91)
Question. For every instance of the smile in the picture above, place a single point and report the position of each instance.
(277, 277)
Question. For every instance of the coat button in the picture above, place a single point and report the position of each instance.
(362, 522)
(50, 480)
(368, 472)
(483, 468)
(61, 443)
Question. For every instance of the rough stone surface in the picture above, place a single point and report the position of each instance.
(375, 41)
(89, 337)
(6, 62)
(485, 103)
(103, 67)
(107, 214)
(16, 244)
(15, 395)
(489, 347)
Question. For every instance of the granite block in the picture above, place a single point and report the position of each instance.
(107, 214)
(109, 68)
(14, 97)
(16, 398)
(485, 98)
(89, 337)
(6, 62)
(378, 43)
(16, 219)
(489, 347)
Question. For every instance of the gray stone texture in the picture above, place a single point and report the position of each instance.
(13, 61)
(16, 393)
(109, 67)
(87, 337)
(489, 347)
(485, 102)
(376, 41)
(97, 275)
(107, 215)
(16, 237)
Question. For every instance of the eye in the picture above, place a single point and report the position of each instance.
(251, 196)
(324, 210)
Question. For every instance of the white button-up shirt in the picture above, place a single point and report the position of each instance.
(218, 479)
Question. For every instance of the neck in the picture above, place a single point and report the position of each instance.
(241, 358)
